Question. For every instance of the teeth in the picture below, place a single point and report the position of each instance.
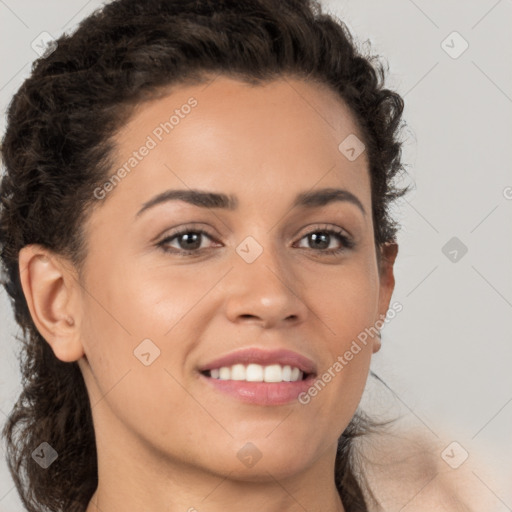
(295, 374)
(254, 373)
(224, 373)
(287, 373)
(273, 373)
(257, 373)
(238, 372)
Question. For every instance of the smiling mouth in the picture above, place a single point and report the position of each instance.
(273, 373)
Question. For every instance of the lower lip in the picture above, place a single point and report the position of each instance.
(261, 393)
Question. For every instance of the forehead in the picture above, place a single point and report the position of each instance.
(287, 134)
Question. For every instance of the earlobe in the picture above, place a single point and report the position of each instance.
(50, 292)
(377, 343)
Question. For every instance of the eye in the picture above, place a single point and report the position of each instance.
(186, 241)
(322, 240)
(190, 241)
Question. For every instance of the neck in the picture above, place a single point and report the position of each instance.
(138, 483)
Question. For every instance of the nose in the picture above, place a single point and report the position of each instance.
(264, 292)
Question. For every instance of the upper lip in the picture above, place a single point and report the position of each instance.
(263, 357)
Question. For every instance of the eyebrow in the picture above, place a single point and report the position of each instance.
(204, 199)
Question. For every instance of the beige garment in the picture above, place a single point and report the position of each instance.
(407, 473)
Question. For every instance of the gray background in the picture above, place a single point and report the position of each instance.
(447, 356)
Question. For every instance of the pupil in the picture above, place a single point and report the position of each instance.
(321, 240)
(190, 240)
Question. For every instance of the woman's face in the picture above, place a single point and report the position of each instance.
(282, 276)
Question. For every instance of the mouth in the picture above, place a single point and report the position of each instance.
(258, 373)
(260, 377)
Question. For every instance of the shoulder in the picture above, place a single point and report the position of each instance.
(413, 472)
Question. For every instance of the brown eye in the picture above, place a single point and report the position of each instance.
(185, 241)
(189, 241)
(322, 240)
(319, 240)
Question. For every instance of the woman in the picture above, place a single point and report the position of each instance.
(195, 232)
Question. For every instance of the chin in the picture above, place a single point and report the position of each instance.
(264, 459)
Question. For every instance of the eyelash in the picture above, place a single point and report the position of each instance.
(346, 242)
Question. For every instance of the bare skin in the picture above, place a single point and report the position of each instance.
(166, 439)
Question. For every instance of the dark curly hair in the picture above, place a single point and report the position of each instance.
(58, 147)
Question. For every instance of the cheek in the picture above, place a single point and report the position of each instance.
(134, 375)
(346, 298)
(139, 327)
(137, 303)
(347, 304)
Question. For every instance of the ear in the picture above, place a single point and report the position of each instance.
(389, 251)
(50, 287)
